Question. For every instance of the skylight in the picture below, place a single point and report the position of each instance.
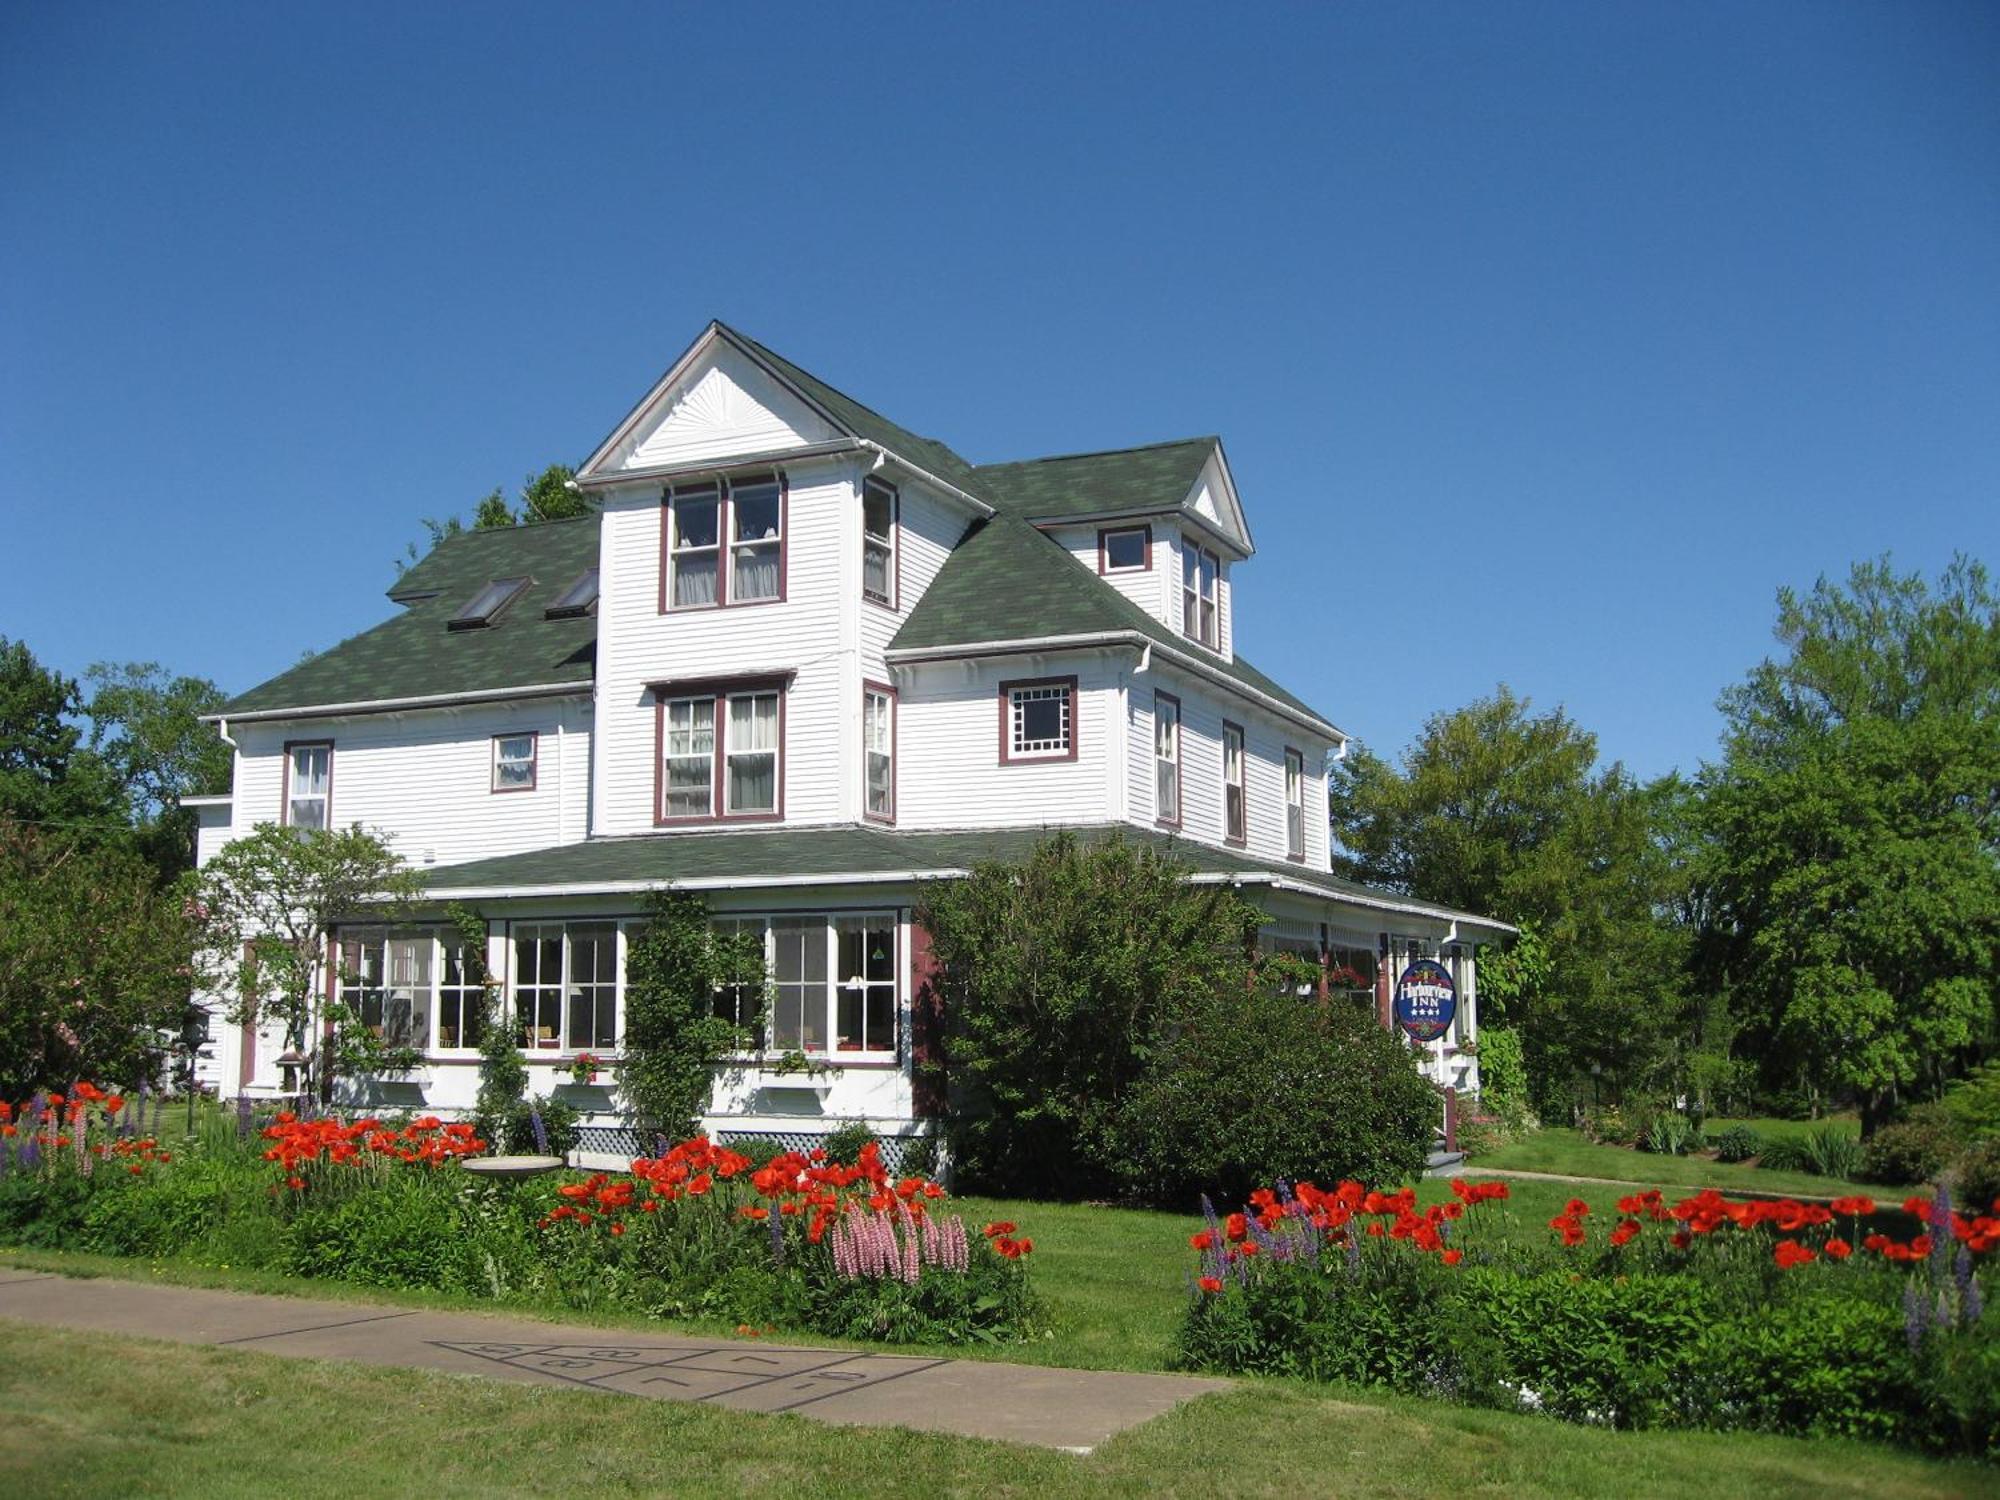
(487, 603)
(577, 599)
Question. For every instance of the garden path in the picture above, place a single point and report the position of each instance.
(1672, 1190)
(1074, 1410)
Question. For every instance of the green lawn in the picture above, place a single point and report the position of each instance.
(94, 1415)
(1566, 1151)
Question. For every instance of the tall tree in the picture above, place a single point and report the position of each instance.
(269, 903)
(45, 777)
(1855, 819)
(145, 726)
(1500, 810)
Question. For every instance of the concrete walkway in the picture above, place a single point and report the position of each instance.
(1073, 1410)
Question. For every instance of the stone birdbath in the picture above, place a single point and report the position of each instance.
(511, 1168)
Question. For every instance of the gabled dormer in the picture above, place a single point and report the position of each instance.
(1162, 524)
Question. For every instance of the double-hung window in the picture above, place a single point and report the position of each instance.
(309, 785)
(743, 518)
(1235, 813)
(694, 518)
(566, 985)
(879, 504)
(514, 762)
(1199, 570)
(721, 753)
(750, 753)
(878, 752)
(1295, 804)
(1167, 760)
(1038, 720)
(757, 540)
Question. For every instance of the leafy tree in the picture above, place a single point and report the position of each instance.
(547, 496)
(270, 902)
(1059, 976)
(491, 512)
(94, 962)
(45, 777)
(146, 728)
(1500, 810)
(675, 967)
(1855, 823)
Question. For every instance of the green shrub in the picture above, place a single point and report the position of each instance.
(1606, 1125)
(845, 1141)
(1973, 1103)
(1822, 1364)
(1481, 1135)
(1784, 1153)
(561, 1124)
(401, 1233)
(1915, 1150)
(1832, 1151)
(165, 1212)
(920, 1156)
(1503, 1076)
(1975, 1176)
(1670, 1134)
(1265, 1086)
(759, 1148)
(1737, 1143)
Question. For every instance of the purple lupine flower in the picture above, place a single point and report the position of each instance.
(541, 1130)
(31, 1154)
(243, 1114)
(1914, 1319)
(1942, 1238)
(777, 1222)
(1353, 1251)
(1972, 1306)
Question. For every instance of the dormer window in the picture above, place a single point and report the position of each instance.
(578, 599)
(879, 503)
(485, 606)
(1124, 549)
(750, 513)
(1199, 570)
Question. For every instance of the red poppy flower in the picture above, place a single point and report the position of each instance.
(1203, 1241)
(1452, 1257)
(1210, 1284)
(1790, 1253)
(1838, 1249)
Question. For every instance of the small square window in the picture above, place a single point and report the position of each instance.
(514, 762)
(1129, 549)
(1038, 720)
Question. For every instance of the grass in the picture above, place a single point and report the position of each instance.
(1567, 1152)
(92, 1415)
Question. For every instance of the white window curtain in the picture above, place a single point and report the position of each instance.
(689, 755)
(752, 753)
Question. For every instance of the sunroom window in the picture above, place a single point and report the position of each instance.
(834, 983)
(566, 985)
(385, 983)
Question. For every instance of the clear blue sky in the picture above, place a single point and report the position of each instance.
(1546, 340)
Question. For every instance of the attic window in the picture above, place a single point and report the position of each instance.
(578, 599)
(487, 603)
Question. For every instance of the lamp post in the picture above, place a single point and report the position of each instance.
(194, 1032)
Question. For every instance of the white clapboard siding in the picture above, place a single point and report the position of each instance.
(1146, 589)
(424, 779)
(948, 769)
(808, 633)
(724, 405)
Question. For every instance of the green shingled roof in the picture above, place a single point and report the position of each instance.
(1158, 477)
(862, 421)
(763, 857)
(1007, 581)
(414, 655)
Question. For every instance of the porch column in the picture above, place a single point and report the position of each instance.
(1385, 961)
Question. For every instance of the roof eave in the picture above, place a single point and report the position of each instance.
(399, 705)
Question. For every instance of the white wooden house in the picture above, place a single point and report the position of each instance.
(801, 661)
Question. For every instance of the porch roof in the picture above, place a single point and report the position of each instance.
(854, 854)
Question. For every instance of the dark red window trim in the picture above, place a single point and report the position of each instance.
(895, 599)
(725, 502)
(493, 769)
(1291, 753)
(1209, 553)
(1007, 690)
(1105, 531)
(895, 732)
(721, 689)
(1180, 761)
(1242, 770)
(285, 781)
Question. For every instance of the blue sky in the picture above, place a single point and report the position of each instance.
(1547, 340)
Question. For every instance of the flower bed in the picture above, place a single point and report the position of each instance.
(1702, 1312)
(840, 1248)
